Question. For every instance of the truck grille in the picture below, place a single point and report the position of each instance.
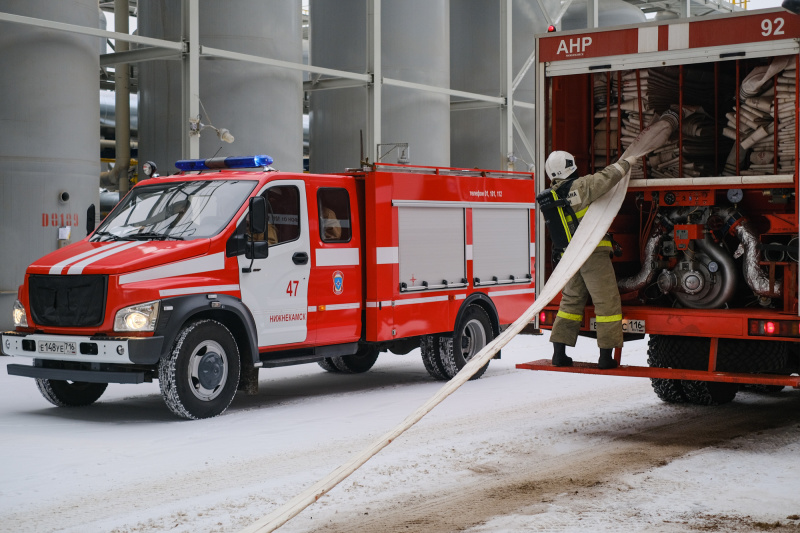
(67, 301)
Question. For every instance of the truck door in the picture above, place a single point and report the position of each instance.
(276, 290)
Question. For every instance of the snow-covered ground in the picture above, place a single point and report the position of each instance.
(514, 451)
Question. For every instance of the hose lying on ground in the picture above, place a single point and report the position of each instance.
(591, 231)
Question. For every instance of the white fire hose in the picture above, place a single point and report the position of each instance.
(591, 231)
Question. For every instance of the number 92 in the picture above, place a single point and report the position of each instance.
(770, 27)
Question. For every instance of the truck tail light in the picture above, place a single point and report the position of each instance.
(546, 318)
(773, 328)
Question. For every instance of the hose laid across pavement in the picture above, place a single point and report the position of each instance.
(591, 231)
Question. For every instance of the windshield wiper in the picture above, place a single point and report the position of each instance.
(111, 236)
(151, 235)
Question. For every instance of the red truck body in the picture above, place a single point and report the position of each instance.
(709, 231)
(392, 260)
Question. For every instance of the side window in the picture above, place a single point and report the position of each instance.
(284, 221)
(334, 215)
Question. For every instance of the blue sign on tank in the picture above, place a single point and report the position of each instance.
(253, 161)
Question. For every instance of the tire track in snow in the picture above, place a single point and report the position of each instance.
(622, 447)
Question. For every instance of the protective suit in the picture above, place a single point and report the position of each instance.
(596, 277)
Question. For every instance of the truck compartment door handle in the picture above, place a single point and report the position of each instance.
(300, 258)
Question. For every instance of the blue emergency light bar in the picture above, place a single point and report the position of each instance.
(253, 161)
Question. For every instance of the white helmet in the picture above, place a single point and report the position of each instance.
(560, 165)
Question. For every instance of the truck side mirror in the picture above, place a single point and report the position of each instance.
(256, 250)
(258, 215)
(90, 215)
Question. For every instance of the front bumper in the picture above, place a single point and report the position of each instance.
(115, 350)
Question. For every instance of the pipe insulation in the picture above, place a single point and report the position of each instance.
(591, 231)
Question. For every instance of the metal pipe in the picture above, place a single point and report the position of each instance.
(122, 129)
(755, 277)
(649, 265)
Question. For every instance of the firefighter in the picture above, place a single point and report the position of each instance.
(565, 204)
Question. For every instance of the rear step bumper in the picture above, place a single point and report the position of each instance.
(666, 373)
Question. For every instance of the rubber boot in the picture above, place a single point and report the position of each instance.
(606, 359)
(560, 357)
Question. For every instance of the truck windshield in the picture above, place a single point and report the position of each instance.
(175, 211)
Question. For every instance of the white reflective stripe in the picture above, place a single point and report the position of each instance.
(77, 268)
(199, 290)
(206, 263)
(533, 249)
(421, 300)
(341, 307)
(461, 296)
(387, 255)
(338, 257)
(648, 39)
(58, 267)
(473, 205)
(512, 293)
(312, 308)
(372, 304)
(469, 252)
(678, 36)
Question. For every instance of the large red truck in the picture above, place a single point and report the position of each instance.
(708, 231)
(201, 278)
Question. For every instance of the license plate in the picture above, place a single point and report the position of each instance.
(57, 347)
(629, 325)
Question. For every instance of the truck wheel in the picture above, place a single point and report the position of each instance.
(198, 379)
(750, 356)
(710, 392)
(691, 353)
(359, 362)
(429, 347)
(70, 393)
(327, 364)
(661, 354)
(472, 333)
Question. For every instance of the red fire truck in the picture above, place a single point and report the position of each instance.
(201, 278)
(709, 226)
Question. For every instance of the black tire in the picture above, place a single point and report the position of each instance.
(472, 333)
(70, 393)
(359, 362)
(710, 392)
(691, 353)
(199, 377)
(660, 354)
(429, 347)
(327, 364)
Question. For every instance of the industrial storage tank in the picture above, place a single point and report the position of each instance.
(49, 142)
(609, 13)
(260, 105)
(415, 48)
(475, 42)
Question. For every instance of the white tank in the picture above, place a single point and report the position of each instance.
(49, 139)
(415, 48)
(475, 45)
(260, 105)
(610, 13)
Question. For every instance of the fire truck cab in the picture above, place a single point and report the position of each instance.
(201, 278)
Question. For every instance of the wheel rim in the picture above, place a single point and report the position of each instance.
(208, 370)
(473, 338)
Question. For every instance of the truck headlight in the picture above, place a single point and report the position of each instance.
(140, 317)
(20, 318)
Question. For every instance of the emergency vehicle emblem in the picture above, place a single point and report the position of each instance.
(338, 282)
